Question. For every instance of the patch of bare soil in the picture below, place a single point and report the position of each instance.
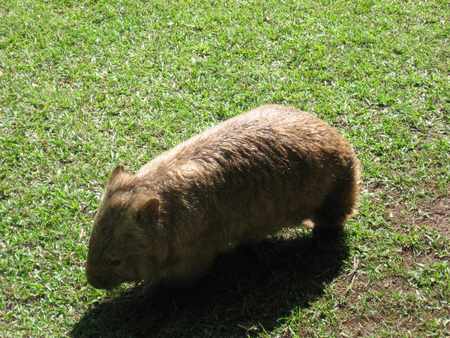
(437, 214)
(368, 307)
(434, 213)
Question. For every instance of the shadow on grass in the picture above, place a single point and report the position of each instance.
(247, 290)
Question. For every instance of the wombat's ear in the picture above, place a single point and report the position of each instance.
(118, 172)
(148, 211)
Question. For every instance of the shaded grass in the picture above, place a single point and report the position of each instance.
(261, 284)
(87, 85)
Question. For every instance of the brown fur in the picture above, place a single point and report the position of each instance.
(240, 181)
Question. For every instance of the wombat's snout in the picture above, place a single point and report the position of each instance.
(99, 280)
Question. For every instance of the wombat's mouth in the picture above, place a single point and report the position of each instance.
(106, 283)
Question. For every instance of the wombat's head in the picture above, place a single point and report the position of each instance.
(126, 242)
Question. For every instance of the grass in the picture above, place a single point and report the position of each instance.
(87, 85)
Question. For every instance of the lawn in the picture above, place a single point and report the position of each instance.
(87, 85)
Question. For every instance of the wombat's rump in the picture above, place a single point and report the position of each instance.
(240, 181)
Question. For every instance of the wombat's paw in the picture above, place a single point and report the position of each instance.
(326, 234)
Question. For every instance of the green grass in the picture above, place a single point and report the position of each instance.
(87, 85)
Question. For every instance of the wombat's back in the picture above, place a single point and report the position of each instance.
(248, 176)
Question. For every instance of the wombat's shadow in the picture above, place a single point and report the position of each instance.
(247, 290)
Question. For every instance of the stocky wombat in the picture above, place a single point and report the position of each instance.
(240, 181)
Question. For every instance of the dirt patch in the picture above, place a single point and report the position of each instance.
(372, 307)
(369, 308)
(437, 214)
(434, 213)
(411, 260)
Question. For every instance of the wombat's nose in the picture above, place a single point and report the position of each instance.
(101, 282)
(91, 277)
(98, 281)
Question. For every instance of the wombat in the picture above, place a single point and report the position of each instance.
(240, 181)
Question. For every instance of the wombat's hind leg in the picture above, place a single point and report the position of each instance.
(338, 206)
